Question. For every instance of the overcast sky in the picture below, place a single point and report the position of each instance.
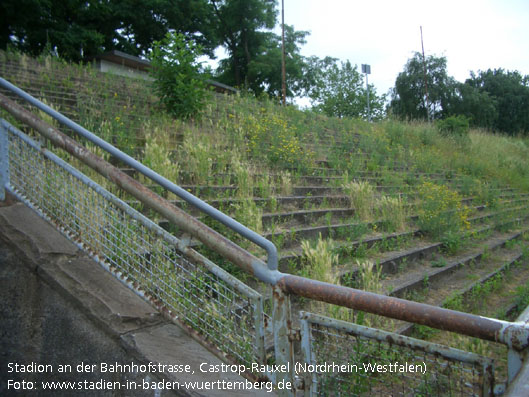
(472, 34)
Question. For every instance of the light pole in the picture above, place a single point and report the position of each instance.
(283, 69)
(425, 81)
(367, 70)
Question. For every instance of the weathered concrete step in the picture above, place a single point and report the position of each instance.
(414, 279)
(297, 219)
(229, 191)
(460, 287)
(289, 239)
(485, 274)
(68, 89)
(293, 204)
(294, 256)
(34, 75)
(392, 262)
(303, 203)
(335, 181)
(293, 236)
(307, 216)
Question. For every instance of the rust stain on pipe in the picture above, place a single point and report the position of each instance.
(396, 308)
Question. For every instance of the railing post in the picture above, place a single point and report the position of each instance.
(309, 379)
(516, 360)
(259, 343)
(4, 162)
(284, 351)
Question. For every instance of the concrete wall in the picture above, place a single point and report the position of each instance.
(110, 67)
(60, 307)
(51, 316)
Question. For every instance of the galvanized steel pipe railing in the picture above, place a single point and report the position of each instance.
(191, 225)
(165, 183)
(513, 334)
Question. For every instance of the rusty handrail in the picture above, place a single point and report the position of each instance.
(513, 334)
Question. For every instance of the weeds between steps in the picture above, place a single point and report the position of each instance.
(390, 210)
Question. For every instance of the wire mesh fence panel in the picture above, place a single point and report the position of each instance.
(220, 308)
(345, 359)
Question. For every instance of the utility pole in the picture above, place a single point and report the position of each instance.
(425, 81)
(367, 70)
(283, 69)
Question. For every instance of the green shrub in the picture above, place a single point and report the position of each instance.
(440, 210)
(178, 80)
(453, 126)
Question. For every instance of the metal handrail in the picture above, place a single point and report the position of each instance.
(513, 334)
(165, 183)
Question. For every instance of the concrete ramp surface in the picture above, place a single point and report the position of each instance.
(67, 323)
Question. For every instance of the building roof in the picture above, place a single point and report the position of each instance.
(131, 61)
(125, 59)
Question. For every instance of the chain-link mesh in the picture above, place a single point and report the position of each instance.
(138, 250)
(370, 362)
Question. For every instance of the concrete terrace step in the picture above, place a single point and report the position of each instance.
(454, 282)
(413, 279)
(295, 234)
(395, 262)
(306, 216)
(283, 204)
(292, 256)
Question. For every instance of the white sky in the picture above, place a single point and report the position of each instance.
(472, 34)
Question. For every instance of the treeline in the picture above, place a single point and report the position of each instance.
(497, 100)
(78, 30)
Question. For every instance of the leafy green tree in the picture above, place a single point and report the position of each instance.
(242, 28)
(72, 27)
(477, 106)
(138, 23)
(178, 78)
(81, 29)
(409, 99)
(509, 92)
(339, 89)
(264, 70)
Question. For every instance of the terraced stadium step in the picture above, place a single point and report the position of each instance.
(414, 277)
(292, 204)
(306, 216)
(295, 234)
(291, 258)
(394, 262)
(432, 285)
(457, 284)
(208, 192)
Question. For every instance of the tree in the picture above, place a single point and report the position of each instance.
(242, 26)
(178, 78)
(69, 26)
(264, 70)
(409, 95)
(339, 90)
(81, 29)
(478, 106)
(509, 92)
